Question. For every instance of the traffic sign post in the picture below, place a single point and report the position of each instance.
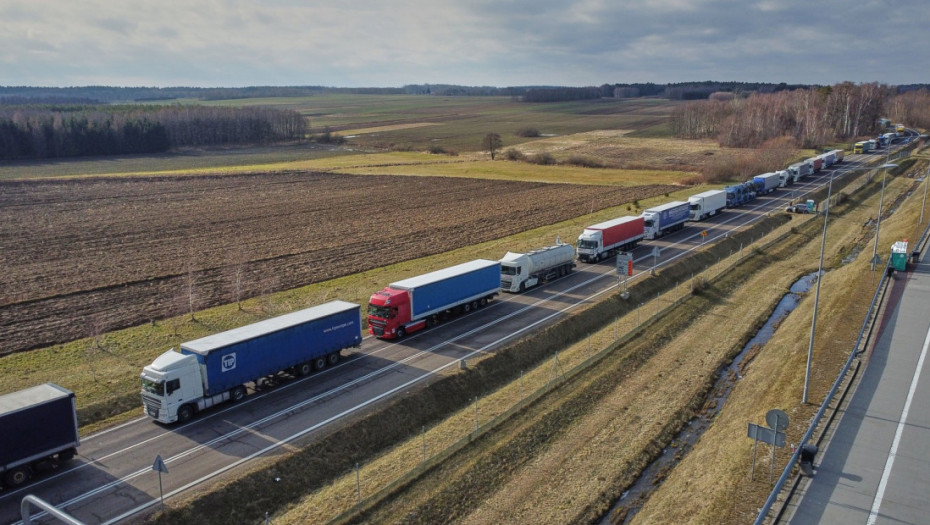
(159, 466)
(773, 436)
(624, 271)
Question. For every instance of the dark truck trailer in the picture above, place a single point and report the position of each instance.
(38, 427)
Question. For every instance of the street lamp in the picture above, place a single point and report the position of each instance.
(823, 245)
(878, 225)
(924, 204)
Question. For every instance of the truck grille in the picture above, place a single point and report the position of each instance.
(505, 284)
(377, 327)
(152, 406)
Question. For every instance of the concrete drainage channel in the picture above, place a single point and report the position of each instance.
(727, 377)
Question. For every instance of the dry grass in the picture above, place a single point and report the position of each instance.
(393, 127)
(616, 149)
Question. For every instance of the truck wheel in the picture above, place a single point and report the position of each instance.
(185, 413)
(466, 308)
(482, 302)
(522, 287)
(474, 305)
(17, 476)
(333, 358)
(319, 363)
(401, 332)
(304, 369)
(237, 394)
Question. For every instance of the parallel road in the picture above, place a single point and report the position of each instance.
(111, 480)
(876, 468)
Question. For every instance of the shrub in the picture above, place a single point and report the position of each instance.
(584, 162)
(436, 149)
(527, 132)
(544, 159)
(514, 154)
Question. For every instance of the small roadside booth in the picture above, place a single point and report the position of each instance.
(899, 255)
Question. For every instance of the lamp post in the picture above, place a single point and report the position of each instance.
(924, 204)
(878, 225)
(823, 245)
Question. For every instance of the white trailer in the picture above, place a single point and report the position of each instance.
(706, 204)
(520, 271)
(800, 170)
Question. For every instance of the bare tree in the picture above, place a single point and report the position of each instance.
(492, 142)
(190, 290)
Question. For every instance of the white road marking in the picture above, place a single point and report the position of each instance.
(902, 421)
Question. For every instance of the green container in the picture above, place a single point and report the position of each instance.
(899, 256)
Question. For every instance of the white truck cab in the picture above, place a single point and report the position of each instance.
(171, 381)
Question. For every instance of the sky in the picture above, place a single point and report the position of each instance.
(370, 43)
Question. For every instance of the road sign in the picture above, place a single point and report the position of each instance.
(704, 233)
(766, 435)
(625, 263)
(777, 419)
(159, 465)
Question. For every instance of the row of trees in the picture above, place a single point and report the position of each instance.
(29, 132)
(812, 116)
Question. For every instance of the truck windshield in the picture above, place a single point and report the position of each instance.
(384, 312)
(508, 270)
(647, 224)
(153, 387)
(587, 245)
(695, 206)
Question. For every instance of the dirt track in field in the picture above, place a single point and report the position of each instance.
(82, 257)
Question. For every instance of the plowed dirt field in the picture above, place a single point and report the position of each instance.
(81, 257)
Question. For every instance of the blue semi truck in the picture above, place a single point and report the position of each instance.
(216, 368)
(666, 218)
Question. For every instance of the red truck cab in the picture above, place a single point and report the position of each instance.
(389, 314)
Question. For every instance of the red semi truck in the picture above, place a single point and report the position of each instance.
(412, 304)
(605, 239)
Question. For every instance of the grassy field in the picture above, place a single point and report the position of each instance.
(376, 124)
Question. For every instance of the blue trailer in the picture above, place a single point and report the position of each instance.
(740, 194)
(667, 218)
(216, 368)
(412, 304)
(766, 183)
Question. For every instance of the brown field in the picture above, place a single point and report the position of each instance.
(84, 257)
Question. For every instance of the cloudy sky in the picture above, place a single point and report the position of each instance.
(351, 43)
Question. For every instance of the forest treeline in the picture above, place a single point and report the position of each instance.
(38, 132)
(672, 91)
(812, 117)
